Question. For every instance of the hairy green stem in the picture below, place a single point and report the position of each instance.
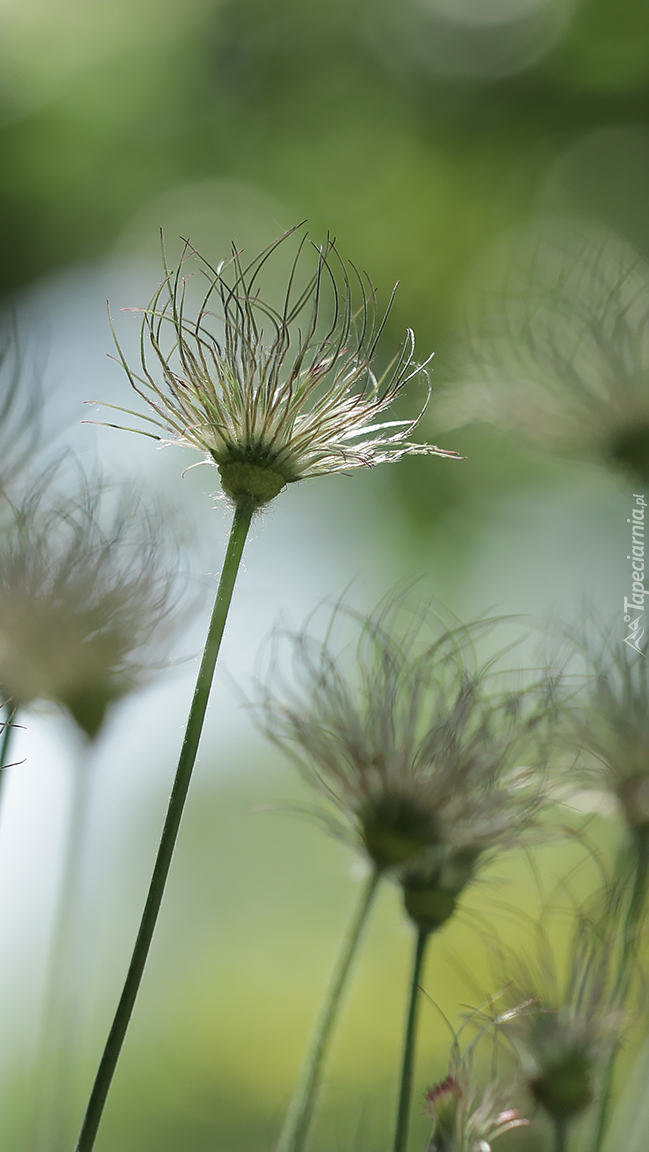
(632, 918)
(410, 1041)
(300, 1114)
(238, 534)
(5, 745)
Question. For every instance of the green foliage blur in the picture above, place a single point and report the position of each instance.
(418, 132)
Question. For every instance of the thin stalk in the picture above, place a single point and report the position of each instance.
(63, 981)
(300, 1114)
(635, 906)
(410, 1041)
(5, 745)
(560, 1136)
(632, 918)
(238, 535)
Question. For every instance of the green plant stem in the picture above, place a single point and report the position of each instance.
(5, 745)
(635, 906)
(632, 918)
(63, 985)
(238, 535)
(300, 1114)
(410, 1041)
(560, 1136)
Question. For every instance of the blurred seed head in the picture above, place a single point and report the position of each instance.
(559, 351)
(573, 1018)
(272, 395)
(411, 742)
(89, 585)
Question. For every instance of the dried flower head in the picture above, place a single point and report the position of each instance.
(274, 395)
(560, 351)
(421, 760)
(85, 587)
(466, 1119)
(573, 1020)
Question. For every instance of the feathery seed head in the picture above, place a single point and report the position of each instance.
(272, 395)
(560, 352)
(410, 746)
(572, 1018)
(85, 585)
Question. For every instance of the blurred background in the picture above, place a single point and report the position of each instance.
(422, 134)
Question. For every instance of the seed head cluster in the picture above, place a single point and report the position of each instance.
(272, 395)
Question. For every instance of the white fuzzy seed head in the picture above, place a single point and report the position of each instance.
(274, 394)
(85, 586)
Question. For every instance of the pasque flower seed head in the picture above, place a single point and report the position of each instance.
(407, 741)
(86, 584)
(272, 395)
(559, 350)
(572, 1020)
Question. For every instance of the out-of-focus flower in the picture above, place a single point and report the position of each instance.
(87, 584)
(274, 395)
(422, 761)
(466, 1119)
(572, 1021)
(559, 352)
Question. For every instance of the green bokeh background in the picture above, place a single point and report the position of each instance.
(419, 134)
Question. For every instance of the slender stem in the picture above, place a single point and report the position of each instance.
(63, 982)
(632, 918)
(238, 534)
(5, 744)
(560, 1136)
(300, 1114)
(635, 906)
(410, 1041)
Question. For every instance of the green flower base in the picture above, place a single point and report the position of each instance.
(249, 482)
